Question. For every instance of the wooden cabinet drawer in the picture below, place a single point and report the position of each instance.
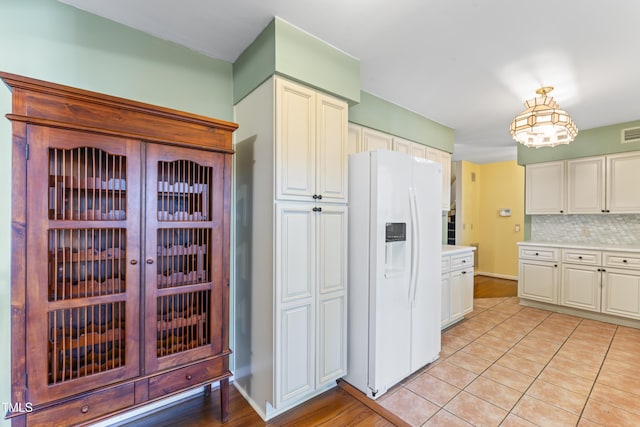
(540, 253)
(622, 259)
(446, 263)
(461, 261)
(582, 256)
(84, 409)
(186, 377)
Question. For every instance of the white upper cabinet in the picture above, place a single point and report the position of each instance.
(373, 140)
(402, 145)
(311, 144)
(545, 188)
(418, 150)
(585, 185)
(623, 176)
(593, 185)
(354, 143)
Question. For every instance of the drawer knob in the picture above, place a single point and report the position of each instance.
(188, 377)
(579, 257)
(149, 260)
(537, 254)
(624, 260)
(84, 409)
(464, 260)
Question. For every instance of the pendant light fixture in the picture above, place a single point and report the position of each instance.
(543, 123)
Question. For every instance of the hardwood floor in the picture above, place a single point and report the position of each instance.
(491, 287)
(336, 407)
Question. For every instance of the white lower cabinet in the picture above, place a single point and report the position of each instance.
(457, 285)
(594, 280)
(621, 292)
(580, 287)
(538, 279)
(311, 270)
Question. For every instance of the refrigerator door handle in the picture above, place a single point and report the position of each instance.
(415, 247)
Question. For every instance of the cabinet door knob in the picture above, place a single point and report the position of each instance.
(319, 196)
(561, 211)
(579, 257)
(84, 409)
(315, 196)
(555, 265)
(149, 260)
(133, 262)
(536, 253)
(464, 272)
(603, 211)
(189, 377)
(624, 260)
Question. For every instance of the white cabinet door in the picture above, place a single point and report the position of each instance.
(295, 251)
(373, 140)
(458, 288)
(296, 353)
(295, 141)
(332, 339)
(621, 292)
(331, 145)
(538, 281)
(418, 150)
(545, 188)
(586, 185)
(580, 287)
(445, 161)
(402, 145)
(332, 293)
(354, 144)
(445, 314)
(467, 291)
(623, 176)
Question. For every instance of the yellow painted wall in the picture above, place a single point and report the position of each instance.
(502, 187)
(470, 203)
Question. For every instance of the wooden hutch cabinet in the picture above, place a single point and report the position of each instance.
(120, 253)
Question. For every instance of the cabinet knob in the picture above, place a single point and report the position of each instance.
(464, 260)
(315, 196)
(561, 211)
(580, 257)
(536, 253)
(133, 262)
(317, 209)
(319, 196)
(624, 260)
(464, 272)
(149, 260)
(84, 409)
(188, 377)
(555, 265)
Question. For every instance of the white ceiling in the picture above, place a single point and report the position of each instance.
(468, 64)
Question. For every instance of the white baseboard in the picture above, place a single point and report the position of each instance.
(496, 275)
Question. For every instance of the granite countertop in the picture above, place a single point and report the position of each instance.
(583, 245)
(453, 249)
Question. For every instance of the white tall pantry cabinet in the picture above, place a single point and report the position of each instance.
(291, 244)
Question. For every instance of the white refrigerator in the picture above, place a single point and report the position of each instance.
(395, 243)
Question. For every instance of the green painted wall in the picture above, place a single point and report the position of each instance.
(283, 49)
(376, 113)
(47, 40)
(590, 142)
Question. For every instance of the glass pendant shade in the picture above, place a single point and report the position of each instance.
(543, 123)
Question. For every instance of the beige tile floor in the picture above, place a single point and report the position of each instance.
(511, 365)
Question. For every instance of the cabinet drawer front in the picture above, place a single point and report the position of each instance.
(622, 259)
(461, 261)
(581, 256)
(540, 253)
(83, 409)
(446, 264)
(186, 377)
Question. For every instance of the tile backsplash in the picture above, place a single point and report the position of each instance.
(605, 229)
